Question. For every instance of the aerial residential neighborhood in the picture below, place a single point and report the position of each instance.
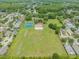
(39, 29)
(9, 27)
(68, 34)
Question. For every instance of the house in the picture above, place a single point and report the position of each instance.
(3, 14)
(1, 29)
(3, 50)
(7, 33)
(68, 23)
(69, 49)
(69, 32)
(77, 31)
(76, 48)
(69, 11)
(65, 33)
(76, 19)
(76, 42)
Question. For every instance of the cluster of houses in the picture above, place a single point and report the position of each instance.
(70, 32)
(9, 25)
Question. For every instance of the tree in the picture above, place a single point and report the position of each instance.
(51, 15)
(41, 15)
(63, 40)
(55, 56)
(73, 29)
(77, 25)
(28, 17)
(0, 45)
(45, 19)
(57, 30)
(52, 26)
(70, 41)
(77, 40)
(23, 57)
(63, 27)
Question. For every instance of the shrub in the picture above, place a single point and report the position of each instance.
(55, 56)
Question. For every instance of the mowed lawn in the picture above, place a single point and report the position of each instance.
(55, 22)
(36, 43)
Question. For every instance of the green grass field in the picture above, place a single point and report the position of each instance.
(55, 21)
(36, 43)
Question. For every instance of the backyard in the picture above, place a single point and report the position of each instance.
(30, 42)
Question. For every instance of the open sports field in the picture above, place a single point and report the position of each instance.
(36, 43)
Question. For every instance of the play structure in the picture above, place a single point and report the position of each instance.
(28, 25)
(39, 26)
